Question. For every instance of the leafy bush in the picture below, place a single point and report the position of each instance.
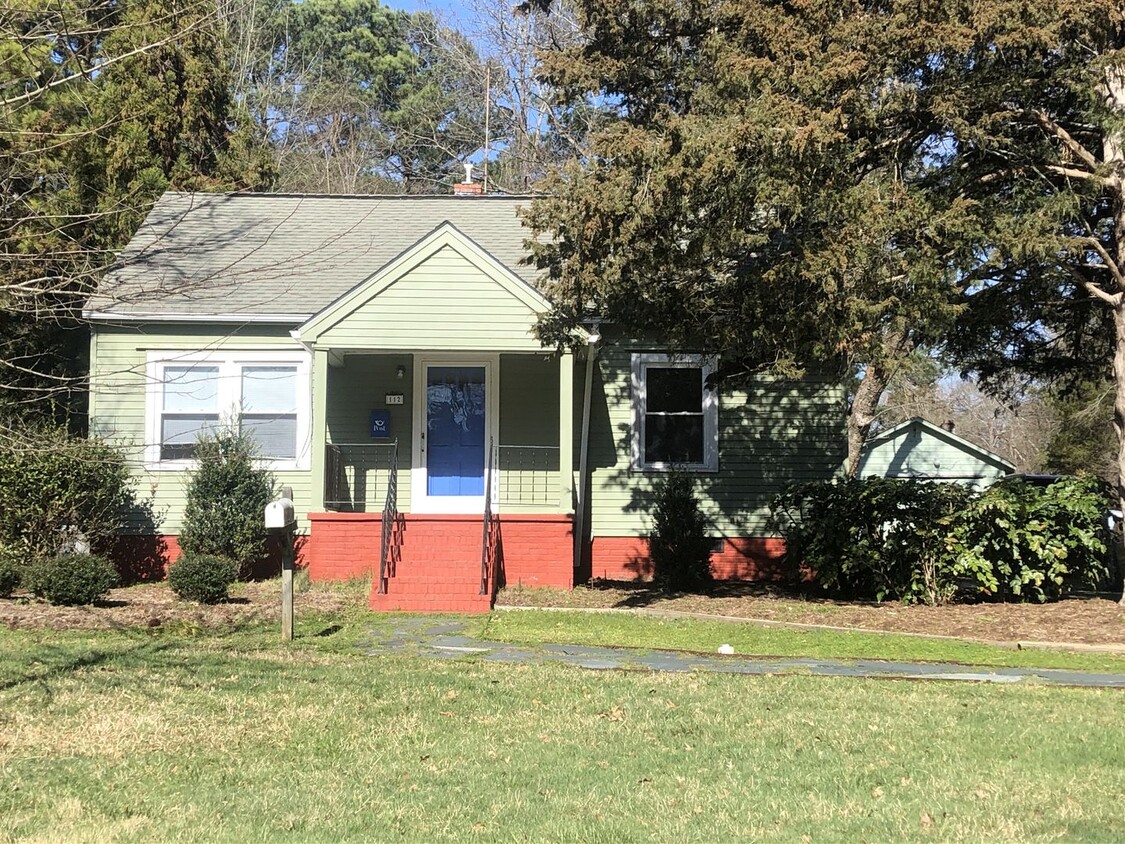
(679, 544)
(11, 571)
(71, 579)
(226, 498)
(913, 540)
(202, 577)
(1020, 541)
(56, 489)
(875, 538)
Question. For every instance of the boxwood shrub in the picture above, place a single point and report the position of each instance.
(71, 579)
(205, 578)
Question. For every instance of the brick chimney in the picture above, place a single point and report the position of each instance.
(468, 187)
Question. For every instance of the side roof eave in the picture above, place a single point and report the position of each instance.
(444, 235)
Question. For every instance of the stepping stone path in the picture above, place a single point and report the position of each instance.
(444, 639)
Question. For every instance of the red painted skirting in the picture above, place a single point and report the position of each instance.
(742, 558)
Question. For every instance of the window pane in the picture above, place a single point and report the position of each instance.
(275, 434)
(674, 389)
(673, 439)
(179, 432)
(269, 389)
(191, 389)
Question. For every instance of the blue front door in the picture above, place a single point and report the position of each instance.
(455, 430)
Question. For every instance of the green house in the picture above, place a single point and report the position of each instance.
(382, 352)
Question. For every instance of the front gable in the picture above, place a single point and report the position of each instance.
(444, 293)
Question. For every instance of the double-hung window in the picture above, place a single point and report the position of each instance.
(675, 414)
(265, 395)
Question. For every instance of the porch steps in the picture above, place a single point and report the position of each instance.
(438, 569)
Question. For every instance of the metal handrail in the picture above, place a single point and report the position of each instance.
(487, 525)
(390, 516)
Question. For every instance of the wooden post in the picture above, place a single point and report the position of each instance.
(287, 585)
(286, 537)
(566, 432)
(319, 429)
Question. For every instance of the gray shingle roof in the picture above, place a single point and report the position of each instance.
(258, 255)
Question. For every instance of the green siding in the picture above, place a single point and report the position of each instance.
(528, 457)
(444, 303)
(770, 435)
(119, 356)
(354, 390)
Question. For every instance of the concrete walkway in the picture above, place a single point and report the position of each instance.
(447, 640)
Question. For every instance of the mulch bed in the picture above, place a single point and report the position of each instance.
(154, 605)
(1092, 620)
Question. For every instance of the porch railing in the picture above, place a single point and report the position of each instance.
(357, 475)
(487, 556)
(388, 546)
(528, 474)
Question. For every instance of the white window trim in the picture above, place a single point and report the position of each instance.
(640, 363)
(230, 363)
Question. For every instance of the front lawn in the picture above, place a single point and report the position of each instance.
(138, 736)
(627, 630)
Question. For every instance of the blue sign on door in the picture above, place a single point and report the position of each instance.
(380, 423)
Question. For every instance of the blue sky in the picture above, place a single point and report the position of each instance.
(447, 8)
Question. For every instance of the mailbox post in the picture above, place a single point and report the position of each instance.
(281, 521)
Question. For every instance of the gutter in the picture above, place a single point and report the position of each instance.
(592, 340)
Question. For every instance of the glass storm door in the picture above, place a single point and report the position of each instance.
(455, 432)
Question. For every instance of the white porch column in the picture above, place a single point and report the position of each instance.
(566, 432)
(319, 429)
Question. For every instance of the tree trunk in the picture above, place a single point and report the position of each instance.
(865, 404)
(1119, 424)
(1113, 155)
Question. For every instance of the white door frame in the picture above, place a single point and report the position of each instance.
(420, 502)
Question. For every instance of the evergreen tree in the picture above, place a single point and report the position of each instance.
(769, 187)
(103, 105)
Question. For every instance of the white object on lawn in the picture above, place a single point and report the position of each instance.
(726, 649)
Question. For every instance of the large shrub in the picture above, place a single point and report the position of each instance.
(202, 577)
(56, 490)
(679, 544)
(875, 538)
(11, 570)
(226, 499)
(914, 540)
(71, 579)
(1031, 543)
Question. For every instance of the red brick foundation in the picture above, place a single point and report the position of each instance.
(342, 546)
(537, 551)
(140, 559)
(742, 558)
